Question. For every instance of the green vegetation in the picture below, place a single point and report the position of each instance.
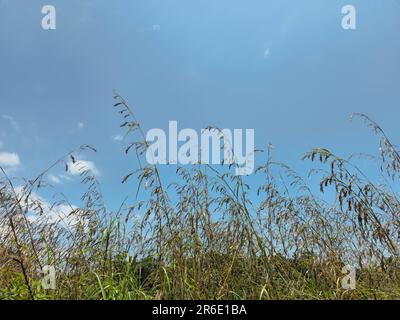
(208, 235)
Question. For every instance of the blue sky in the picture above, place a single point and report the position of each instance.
(283, 67)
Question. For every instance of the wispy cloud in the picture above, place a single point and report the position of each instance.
(9, 161)
(76, 168)
(51, 213)
(156, 27)
(54, 179)
(77, 127)
(58, 178)
(12, 121)
(3, 137)
(118, 138)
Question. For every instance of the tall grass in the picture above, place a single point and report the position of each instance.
(209, 234)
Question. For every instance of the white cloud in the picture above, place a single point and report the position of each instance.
(64, 177)
(76, 168)
(77, 127)
(58, 178)
(57, 213)
(118, 138)
(53, 178)
(9, 160)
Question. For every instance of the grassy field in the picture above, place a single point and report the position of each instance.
(208, 235)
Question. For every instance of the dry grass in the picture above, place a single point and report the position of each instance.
(208, 235)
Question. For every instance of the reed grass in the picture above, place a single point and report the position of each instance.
(208, 234)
